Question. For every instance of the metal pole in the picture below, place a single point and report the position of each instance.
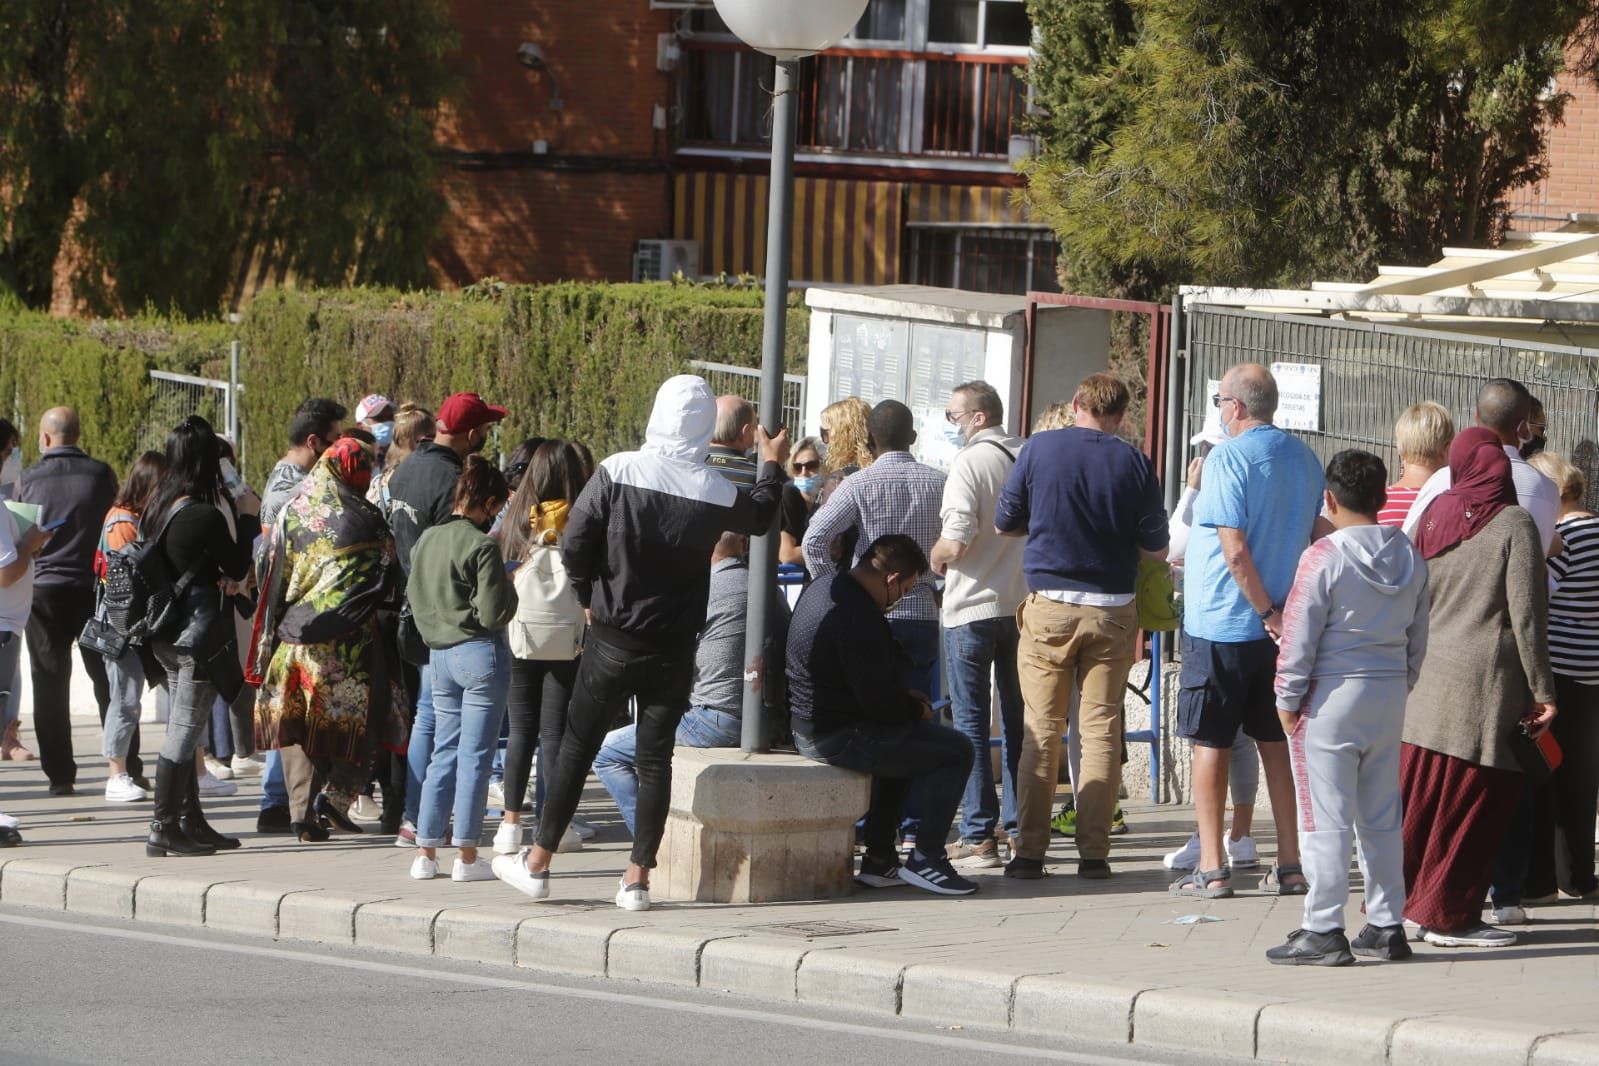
(1176, 385)
(233, 400)
(763, 549)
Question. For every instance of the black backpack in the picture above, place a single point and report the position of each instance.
(139, 596)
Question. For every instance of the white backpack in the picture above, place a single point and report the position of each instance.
(549, 621)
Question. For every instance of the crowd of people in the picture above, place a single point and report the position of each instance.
(399, 631)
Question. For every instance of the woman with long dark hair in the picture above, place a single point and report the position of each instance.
(461, 598)
(206, 538)
(547, 633)
(127, 673)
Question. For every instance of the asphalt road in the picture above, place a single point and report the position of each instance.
(119, 994)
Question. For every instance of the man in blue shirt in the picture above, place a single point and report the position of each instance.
(1090, 507)
(1258, 505)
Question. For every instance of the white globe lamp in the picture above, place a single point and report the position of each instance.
(790, 29)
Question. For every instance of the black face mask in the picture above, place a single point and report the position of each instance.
(1533, 447)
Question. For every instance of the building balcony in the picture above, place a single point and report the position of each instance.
(923, 110)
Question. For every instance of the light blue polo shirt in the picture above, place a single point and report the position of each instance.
(1267, 483)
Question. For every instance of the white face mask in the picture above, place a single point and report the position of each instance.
(11, 470)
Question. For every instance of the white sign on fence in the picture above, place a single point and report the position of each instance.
(1298, 396)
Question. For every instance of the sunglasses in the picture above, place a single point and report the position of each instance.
(807, 468)
(1218, 399)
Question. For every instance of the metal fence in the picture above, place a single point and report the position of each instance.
(746, 382)
(1371, 372)
(174, 397)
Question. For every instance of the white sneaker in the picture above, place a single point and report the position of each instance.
(8, 822)
(1510, 916)
(632, 897)
(1481, 936)
(365, 809)
(584, 830)
(478, 869)
(121, 789)
(508, 838)
(1185, 857)
(1241, 853)
(245, 765)
(218, 769)
(406, 837)
(424, 868)
(211, 786)
(512, 869)
(496, 799)
(571, 840)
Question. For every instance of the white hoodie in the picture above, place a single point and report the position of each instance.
(1358, 608)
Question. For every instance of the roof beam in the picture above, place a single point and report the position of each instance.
(1453, 277)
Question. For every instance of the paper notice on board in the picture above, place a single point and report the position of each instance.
(1211, 430)
(1298, 396)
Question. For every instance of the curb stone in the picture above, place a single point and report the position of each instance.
(171, 900)
(1198, 1020)
(1316, 1033)
(395, 925)
(753, 966)
(1566, 1049)
(102, 891)
(839, 977)
(487, 935)
(320, 917)
(949, 995)
(1450, 1041)
(564, 945)
(664, 956)
(247, 907)
(1057, 1005)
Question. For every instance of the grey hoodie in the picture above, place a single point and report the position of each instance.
(1358, 608)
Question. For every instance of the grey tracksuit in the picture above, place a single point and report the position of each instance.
(1354, 634)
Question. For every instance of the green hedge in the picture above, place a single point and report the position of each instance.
(573, 360)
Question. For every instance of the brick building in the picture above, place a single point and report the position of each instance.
(645, 121)
(1572, 187)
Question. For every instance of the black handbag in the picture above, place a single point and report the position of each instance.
(99, 635)
(413, 649)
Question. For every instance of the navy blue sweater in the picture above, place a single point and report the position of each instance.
(1087, 502)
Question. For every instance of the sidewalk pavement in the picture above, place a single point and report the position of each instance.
(1093, 960)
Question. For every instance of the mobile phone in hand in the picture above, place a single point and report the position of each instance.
(51, 527)
(231, 479)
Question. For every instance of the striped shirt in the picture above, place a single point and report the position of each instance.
(1397, 508)
(896, 494)
(732, 464)
(1574, 604)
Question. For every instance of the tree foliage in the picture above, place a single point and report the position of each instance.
(1255, 142)
(154, 138)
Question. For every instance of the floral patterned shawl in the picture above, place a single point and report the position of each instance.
(330, 559)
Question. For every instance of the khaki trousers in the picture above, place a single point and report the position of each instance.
(1065, 648)
(304, 777)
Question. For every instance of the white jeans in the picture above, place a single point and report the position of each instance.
(1345, 755)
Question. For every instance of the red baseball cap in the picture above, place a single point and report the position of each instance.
(465, 411)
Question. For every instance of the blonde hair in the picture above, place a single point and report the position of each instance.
(1103, 395)
(845, 423)
(1567, 478)
(412, 425)
(1055, 416)
(1424, 433)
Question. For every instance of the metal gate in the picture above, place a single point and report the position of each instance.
(174, 397)
(746, 382)
(1370, 372)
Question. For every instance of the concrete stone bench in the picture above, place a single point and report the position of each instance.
(758, 828)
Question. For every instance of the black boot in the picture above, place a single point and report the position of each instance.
(192, 819)
(393, 796)
(166, 835)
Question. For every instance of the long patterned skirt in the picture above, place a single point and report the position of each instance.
(337, 700)
(1456, 816)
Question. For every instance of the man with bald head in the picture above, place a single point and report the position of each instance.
(1505, 408)
(1259, 499)
(732, 441)
(69, 487)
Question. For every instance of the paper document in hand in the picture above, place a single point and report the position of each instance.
(26, 514)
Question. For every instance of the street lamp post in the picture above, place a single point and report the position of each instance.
(788, 31)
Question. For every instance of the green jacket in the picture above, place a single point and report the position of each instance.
(458, 588)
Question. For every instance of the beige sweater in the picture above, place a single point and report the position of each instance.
(1488, 650)
(988, 581)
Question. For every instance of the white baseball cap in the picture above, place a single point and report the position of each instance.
(373, 406)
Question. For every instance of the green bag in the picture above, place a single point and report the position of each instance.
(1155, 596)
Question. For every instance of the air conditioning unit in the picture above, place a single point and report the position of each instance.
(660, 260)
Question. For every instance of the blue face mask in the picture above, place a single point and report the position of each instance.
(383, 433)
(953, 434)
(808, 485)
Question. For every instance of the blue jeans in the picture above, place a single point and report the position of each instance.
(274, 791)
(701, 727)
(974, 654)
(419, 750)
(470, 682)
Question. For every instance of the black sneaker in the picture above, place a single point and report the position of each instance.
(935, 875)
(1025, 869)
(273, 821)
(1094, 869)
(1305, 948)
(878, 873)
(1383, 942)
(66, 789)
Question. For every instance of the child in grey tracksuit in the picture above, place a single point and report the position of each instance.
(1354, 634)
